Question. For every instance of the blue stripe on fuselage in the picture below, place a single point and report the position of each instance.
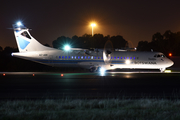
(67, 61)
(76, 61)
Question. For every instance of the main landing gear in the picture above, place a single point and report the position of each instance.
(93, 69)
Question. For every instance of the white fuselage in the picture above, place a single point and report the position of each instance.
(119, 59)
(31, 49)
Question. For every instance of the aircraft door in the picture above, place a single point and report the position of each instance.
(51, 60)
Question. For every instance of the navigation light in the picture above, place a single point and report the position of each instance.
(19, 23)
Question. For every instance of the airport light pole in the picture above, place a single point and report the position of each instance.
(93, 25)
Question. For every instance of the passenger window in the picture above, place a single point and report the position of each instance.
(88, 57)
(134, 57)
(69, 57)
(114, 57)
(85, 57)
(101, 57)
(62, 56)
(94, 57)
(98, 57)
(111, 57)
(72, 57)
(91, 57)
(124, 57)
(75, 57)
(127, 57)
(117, 57)
(78, 57)
(130, 57)
(65, 57)
(81, 57)
(59, 57)
(121, 57)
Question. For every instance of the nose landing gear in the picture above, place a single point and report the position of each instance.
(162, 69)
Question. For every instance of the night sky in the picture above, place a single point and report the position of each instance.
(135, 20)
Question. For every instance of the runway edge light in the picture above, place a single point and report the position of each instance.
(170, 54)
(167, 71)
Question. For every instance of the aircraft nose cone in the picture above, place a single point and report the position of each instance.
(170, 63)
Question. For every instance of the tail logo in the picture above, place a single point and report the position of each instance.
(22, 43)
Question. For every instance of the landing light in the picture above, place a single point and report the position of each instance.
(127, 61)
(102, 71)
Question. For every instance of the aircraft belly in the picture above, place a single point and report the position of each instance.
(89, 64)
(133, 66)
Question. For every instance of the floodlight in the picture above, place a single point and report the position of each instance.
(93, 24)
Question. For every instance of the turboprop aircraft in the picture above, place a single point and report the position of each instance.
(105, 59)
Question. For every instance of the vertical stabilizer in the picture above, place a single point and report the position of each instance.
(25, 41)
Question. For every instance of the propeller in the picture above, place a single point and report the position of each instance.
(108, 52)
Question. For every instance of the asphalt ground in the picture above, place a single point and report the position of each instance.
(37, 85)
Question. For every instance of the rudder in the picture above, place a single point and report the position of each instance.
(25, 41)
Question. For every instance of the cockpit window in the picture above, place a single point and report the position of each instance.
(25, 34)
(159, 55)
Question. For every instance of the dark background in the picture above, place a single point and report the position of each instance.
(135, 20)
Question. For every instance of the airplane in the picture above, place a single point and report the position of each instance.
(98, 59)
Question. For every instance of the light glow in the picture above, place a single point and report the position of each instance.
(93, 24)
(67, 47)
(127, 61)
(170, 54)
(167, 71)
(102, 71)
(19, 23)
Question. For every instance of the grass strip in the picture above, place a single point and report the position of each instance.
(79, 109)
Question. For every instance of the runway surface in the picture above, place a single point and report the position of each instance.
(29, 85)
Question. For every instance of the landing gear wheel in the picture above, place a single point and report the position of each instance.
(93, 69)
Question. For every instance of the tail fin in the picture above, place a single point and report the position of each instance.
(25, 41)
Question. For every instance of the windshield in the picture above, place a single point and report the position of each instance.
(159, 55)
